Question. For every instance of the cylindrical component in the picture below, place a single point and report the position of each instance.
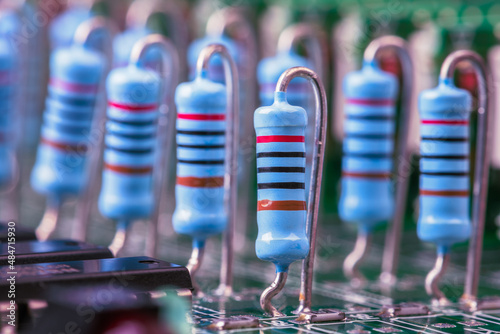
(367, 195)
(127, 183)
(8, 78)
(60, 168)
(444, 166)
(281, 208)
(199, 191)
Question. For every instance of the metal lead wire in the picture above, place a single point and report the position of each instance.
(231, 169)
(232, 19)
(306, 279)
(482, 164)
(315, 42)
(169, 68)
(390, 258)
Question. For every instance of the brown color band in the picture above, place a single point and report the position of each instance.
(266, 205)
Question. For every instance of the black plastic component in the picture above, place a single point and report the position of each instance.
(140, 273)
(28, 252)
(96, 309)
(22, 233)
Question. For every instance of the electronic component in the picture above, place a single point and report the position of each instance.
(234, 322)
(8, 66)
(206, 160)
(33, 281)
(322, 315)
(404, 309)
(444, 182)
(281, 209)
(130, 158)
(27, 252)
(367, 198)
(60, 170)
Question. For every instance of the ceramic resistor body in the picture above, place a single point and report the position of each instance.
(201, 129)
(367, 192)
(444, 165)
(8, 79)
(129, 157)
(60, 167)
(281, 160)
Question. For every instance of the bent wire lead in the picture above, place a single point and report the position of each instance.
(444, 168)
(287, 230)
(61, 166)
(134, 158)
(207, 148)
(367, 198)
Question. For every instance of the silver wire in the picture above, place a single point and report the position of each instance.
(231, 164)
(169, 69)
(269, 293)
(434, 276)
(390, 259)
(314, 40)
(120, 239)
(482, 165)
(140, 11)
(352, 261)
(306, 279)
(222, 22)
(49, 221)
(194, 265)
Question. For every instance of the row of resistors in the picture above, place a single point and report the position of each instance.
(127, 86)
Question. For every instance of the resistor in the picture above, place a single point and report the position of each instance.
(367, 196)
(131, 157)
(281, 162)
(287, 228)
(8, 66)
(444, 168)
(60, 167)
(206, 160)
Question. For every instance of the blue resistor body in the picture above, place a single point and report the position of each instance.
(129, 156)
(201, 127)
(281, 162)
(8, 66)
(65, 135)
(444, 165)
(367, 197)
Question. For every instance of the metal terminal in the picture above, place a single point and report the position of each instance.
(141, 11)
(120, 238)
(314, 40)
(390, 259)
(323, 315)
(236, 322)
(352, 261)
(403, 309)
(482, 164)
(434, 276)
(231, 164)
(83, 36)
(306, 278)
(232, 21)
(487, 303)
(194, 265)
(168, 69)
(49, 221)
(271, 292)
